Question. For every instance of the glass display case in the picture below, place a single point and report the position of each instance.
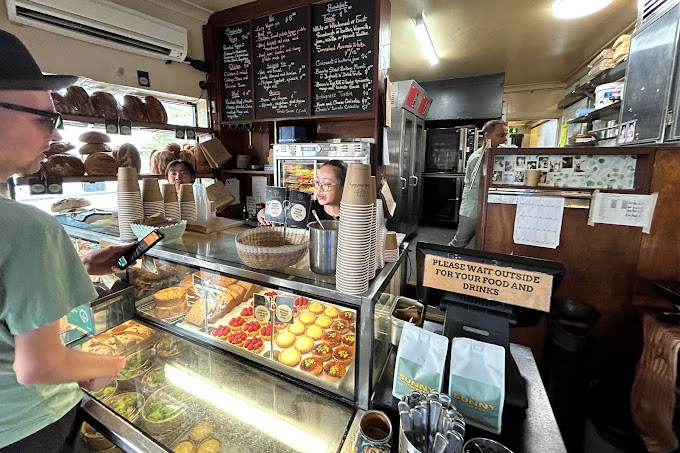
(196, 292)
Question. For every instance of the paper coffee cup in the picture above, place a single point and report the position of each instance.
(169, 193)
(186, 193)
(391, 241)
(357, 189)
(151, 191)
(532, 177)
(374, 195)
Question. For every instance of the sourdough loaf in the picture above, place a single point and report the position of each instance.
(105, 104)
(101, 164)
(79, 98)
(61, 105)
(58, 148)
(91, 148)
(127, 155)
(64, 165)
(133, 108)
(91, 137)
(155, 112)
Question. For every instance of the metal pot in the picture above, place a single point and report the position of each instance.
(323, 246)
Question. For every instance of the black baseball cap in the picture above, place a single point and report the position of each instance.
(19, 71)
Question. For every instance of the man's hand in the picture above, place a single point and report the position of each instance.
(105, 260)
(100, 382)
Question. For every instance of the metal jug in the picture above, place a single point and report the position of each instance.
(323, 246)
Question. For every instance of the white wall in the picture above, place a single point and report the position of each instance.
(63, 55)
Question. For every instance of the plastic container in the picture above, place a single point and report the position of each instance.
(608, 93)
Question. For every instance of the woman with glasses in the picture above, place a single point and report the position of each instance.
(328, 186)
(180, 172)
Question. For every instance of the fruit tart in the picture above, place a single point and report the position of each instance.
(334, 369)
(251, 328)
(311, 365)
(221, 332)
(343, 354)
(322, 351)
(290, 357)
(340, 326)
(349, 340)
(316, 308)
(270, 294)
(237, 338)
(254, 344)
(236, 323)
(266, 332)
(280, 325)
(300, 303)
(331, 338)
(247, 313)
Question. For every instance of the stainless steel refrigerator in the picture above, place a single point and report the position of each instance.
(406, 152)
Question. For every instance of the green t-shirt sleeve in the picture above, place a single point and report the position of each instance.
(42, 275)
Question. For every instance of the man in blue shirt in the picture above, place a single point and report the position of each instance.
(41, 276)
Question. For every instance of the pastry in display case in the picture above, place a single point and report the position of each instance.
(298, 176)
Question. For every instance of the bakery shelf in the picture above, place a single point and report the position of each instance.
(238, 171)
(135, 124)
(587, 88)
(23, 180)
(609, 112)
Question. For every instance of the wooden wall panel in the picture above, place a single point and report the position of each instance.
(601, 263)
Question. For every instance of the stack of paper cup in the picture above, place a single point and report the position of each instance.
(372, 232)
(170, 202)
(391, 247)
(354, 235)
(151, 197)
(187, 202)
(130, 207)
(381, 232)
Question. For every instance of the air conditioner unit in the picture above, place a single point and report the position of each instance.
(104, 23)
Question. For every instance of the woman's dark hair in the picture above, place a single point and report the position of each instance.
(184, 163)
(340, 169)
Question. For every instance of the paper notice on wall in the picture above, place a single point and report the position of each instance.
(622, 209)
(538, 221)
(232, 185)
(385, 148)
(251, 205)
(260, 188)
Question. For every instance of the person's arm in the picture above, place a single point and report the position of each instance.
(40, 358)
(261, 219)
(104, 260)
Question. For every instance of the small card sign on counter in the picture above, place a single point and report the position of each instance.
(55, 185)
(37, 185)
(261, 309)
(300, 203)
(81, 316)
(503, 284)
(284, 309)
(208, 293)
(180, 132)
(125, 127)
(273, 211)
(111, 125)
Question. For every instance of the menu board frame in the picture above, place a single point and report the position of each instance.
(237, 101)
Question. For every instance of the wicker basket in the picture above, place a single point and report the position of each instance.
(263, 248)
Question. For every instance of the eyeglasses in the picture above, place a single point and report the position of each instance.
(323, 187)
(54, 117)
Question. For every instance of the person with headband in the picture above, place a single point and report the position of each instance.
(41, 276)
(328, 187)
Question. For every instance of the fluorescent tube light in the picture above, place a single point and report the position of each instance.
(269, 424)
(425, 38)
(571, 9)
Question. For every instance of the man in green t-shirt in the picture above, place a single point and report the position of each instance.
(495, 133)
(41, 276)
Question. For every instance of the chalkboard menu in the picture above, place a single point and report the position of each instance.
(237, 73)
(342, 56)
(281, 51)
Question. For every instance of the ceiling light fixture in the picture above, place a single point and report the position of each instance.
(425, 38)
(571, 9)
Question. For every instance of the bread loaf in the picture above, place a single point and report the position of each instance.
(64, 165)
(188, 156)
(127, 155)
(94, 137)
(79, 98)
(101, 164)
(61, 105)
(69, 204)
(58, 148)
(174, 148)
(202, 165)
(105, 104)
(92, 148)
(155, 112)
(160, 160)
(133, 108)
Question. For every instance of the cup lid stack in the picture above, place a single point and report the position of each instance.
(354, 235)
(130, 208)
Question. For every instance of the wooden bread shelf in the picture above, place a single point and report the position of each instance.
(135, 124)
